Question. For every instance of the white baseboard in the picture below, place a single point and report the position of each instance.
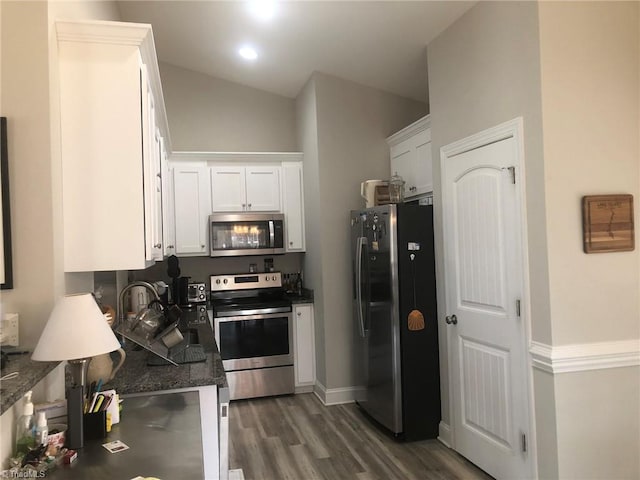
(336, 396)
(236, 474)
(585, 356)
(444, 434)
(304, 389)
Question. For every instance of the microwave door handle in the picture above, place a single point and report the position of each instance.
(272, 235)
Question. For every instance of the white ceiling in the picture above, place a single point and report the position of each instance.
(379, 44)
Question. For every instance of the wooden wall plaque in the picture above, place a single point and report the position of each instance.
(607, 223)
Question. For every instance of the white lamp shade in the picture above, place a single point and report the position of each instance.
(76, 329)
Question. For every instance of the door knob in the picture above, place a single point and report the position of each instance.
(451, 320)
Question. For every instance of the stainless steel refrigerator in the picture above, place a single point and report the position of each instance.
(394, 311)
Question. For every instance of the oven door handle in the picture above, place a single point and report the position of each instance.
(261, 316)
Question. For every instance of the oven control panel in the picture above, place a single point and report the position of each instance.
(245, 281)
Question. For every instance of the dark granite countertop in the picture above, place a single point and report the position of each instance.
(306, 297)
(136, 376)
(30, 373)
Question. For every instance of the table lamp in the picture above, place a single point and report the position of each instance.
(76, 331)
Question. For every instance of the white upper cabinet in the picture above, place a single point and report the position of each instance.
(236, 188)
(235, 182)
(293, 203)
(263, 188)
(228, 188)
(410, 152)
(192, 200)
(168, 203)
(111, 108)
(151, 140)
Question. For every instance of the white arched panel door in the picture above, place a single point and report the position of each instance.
(486, 333)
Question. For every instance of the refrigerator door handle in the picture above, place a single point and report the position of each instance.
(361, 242)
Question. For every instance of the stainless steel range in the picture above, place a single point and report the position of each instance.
(253, 327)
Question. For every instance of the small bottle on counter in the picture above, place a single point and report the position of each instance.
(42, 430)
(25, 439)
(299, 284)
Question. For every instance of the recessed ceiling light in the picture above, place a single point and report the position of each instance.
(248, 53)
(262, 9)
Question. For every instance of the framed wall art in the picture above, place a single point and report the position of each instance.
(607, 223)
(6, 267)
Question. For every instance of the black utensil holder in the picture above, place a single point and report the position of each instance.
(95, 425)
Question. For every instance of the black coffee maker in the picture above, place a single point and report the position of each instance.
(179, 285)
(183, 291)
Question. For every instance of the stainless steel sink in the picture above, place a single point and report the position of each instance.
(191, 336)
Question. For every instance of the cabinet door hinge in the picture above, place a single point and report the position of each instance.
(523, 442)
(512, 172)
(518, 307)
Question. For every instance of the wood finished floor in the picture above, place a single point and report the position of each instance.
(297, 438)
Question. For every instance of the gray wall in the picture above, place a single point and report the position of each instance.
(29, 92)
(571, 70)
(307, 138)
(352, 123)
(590, 70)
(484, 70)
(213, 115)
(28, 99)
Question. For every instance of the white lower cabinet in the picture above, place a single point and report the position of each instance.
(192, 207)
(304, 349)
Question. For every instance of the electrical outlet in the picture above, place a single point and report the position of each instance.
(9, 330)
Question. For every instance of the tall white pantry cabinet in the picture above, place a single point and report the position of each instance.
(114, 137)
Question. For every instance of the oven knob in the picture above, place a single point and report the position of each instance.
(201, 288)
(266, 278)
(225, 281)
(273, 278)
(218, 281)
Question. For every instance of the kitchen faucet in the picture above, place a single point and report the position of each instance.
(147, 285)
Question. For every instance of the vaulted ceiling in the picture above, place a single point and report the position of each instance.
(379, 44)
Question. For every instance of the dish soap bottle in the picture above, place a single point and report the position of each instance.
(25, 439)
(42, 430)
(299, 284)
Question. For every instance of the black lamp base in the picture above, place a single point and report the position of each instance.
(75, 403)
(75, 413)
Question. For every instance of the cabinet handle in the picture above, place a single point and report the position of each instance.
(299, 313)
(157, 245)
(202, 247)
(249, 205)
(169, 246)
(244, 205)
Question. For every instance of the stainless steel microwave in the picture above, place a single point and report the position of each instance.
(233, 234)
